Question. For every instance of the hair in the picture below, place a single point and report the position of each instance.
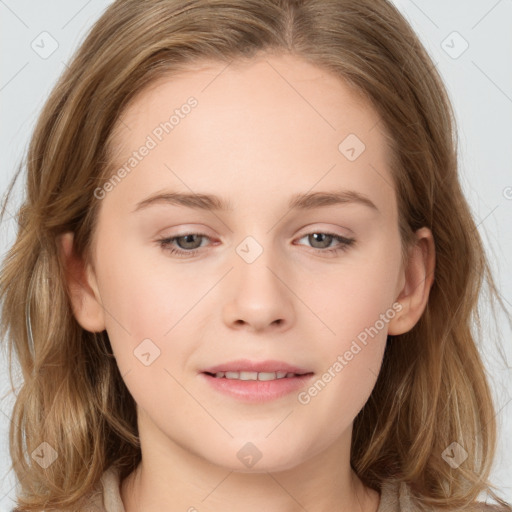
(432, 389)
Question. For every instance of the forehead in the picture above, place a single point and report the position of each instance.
(274, 120)
(304, 92)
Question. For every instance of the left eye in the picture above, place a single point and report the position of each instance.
(188, 243)
(327, 238)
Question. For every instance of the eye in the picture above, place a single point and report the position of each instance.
(187, 241)
(322, 240)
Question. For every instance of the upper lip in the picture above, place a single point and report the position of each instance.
(247, 365)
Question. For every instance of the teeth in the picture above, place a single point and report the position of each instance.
(254, 375)
(266, 376)
(248, 375)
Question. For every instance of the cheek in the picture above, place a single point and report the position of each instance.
(353, 297)
(144, 292)
(144, 310)
(358, 314)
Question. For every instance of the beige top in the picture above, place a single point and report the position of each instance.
(394, 497)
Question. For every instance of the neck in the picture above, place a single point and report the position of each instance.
(175, 480)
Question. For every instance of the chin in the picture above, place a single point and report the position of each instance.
(249, 460)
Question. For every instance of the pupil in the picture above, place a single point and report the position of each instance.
(316, 235)
(189, 239)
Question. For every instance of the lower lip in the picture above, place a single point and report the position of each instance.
(257, 390)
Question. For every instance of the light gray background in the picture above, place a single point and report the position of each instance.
(479, 82)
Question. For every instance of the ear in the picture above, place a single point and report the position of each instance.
(416, 281)
(82, 286)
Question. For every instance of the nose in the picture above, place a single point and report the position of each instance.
(258, 297)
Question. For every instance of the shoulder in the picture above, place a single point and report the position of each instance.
(396, 496)
(106, 496)
(111, 491)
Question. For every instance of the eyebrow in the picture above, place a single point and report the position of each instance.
(208, 202)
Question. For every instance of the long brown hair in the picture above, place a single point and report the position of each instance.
(432, 390)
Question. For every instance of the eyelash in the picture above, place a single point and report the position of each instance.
(165, 244)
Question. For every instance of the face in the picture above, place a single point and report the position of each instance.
(299, 272)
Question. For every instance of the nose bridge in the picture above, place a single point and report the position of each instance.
(258, 297)
(257, 264)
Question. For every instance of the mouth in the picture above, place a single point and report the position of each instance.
(262, 376)
(251, 381)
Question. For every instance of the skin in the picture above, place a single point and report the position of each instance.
(262, 131)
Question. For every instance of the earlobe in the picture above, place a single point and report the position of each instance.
(417, 281)
(82, 287)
